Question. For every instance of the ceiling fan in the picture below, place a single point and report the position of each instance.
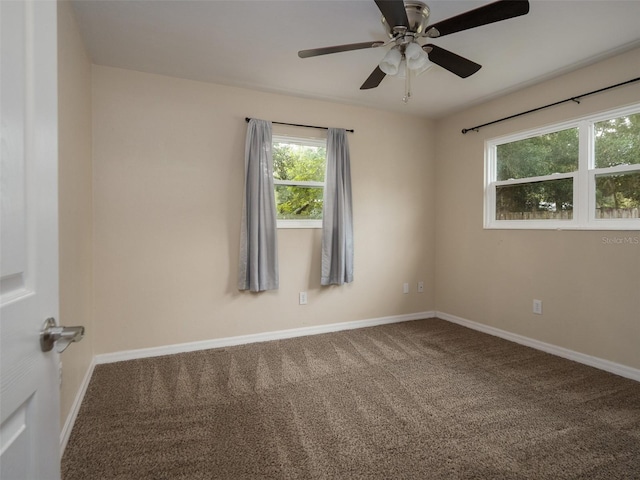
(406, 22)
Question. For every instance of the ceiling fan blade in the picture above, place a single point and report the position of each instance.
(450, 61)
(394, 12)
(374, 79)
(493, 12)
(314, 52)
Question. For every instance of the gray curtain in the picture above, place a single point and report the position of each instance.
(258, 269)
(337, 217)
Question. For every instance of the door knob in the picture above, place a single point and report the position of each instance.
(61, 337)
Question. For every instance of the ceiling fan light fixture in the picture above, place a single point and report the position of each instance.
(417, 59)
(390, 64)
(419, 71)
(412, 51)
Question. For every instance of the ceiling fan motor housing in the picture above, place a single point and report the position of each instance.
(418, 16)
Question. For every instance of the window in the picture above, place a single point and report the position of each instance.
(298, 175)
(582, 175)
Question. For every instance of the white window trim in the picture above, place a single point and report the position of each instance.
(319, 142)
(315, 223)
(584, 197)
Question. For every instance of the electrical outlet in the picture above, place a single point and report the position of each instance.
(303, 298)
(420, 287)
(405, 288)
(537, 307)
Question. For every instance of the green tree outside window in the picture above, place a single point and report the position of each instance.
(298, 172)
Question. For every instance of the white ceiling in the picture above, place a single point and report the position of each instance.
(254, 44)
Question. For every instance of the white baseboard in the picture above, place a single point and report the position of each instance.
(255, 338)
(606, 365)
(75, 408)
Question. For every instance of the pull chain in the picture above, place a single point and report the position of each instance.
(407, 84)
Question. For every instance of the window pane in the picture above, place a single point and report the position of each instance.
(293, 161)
(546, 154)
(618, 141)
(298, 203)
(550, 200)
(618, 196)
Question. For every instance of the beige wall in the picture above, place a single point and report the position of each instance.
(75, 201)
(590, 289)
(166, 186)
(168, 179)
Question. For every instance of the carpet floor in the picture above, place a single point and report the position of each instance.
(417, 400)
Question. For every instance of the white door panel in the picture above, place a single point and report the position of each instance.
(29, 389)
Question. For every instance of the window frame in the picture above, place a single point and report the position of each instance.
(584, 185)
(307, 141)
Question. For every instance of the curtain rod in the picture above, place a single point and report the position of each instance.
(300, 125)
(571, 99)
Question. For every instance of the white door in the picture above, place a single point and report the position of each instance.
(29, 386)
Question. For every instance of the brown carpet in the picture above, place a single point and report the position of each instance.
(417, 400)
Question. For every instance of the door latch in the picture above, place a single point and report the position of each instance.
(61, 337)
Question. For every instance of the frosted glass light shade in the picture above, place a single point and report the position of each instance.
(412, 51)
(417, 59)
(390, 64)
(427, 65)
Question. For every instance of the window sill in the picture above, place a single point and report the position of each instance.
(299, 223)
(602, 225)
